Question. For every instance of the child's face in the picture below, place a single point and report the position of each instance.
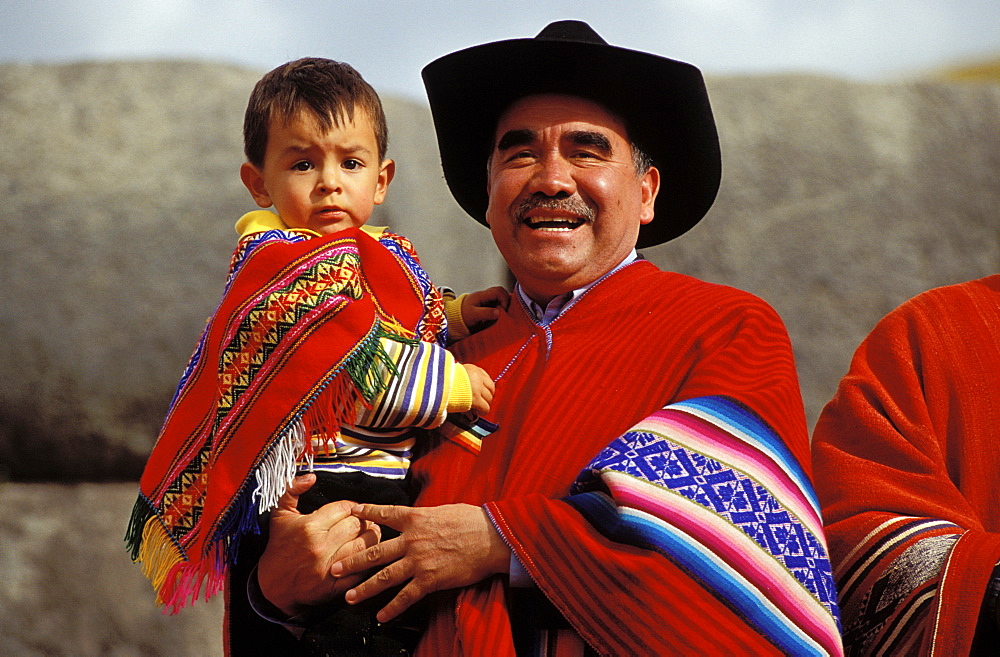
(323, 181)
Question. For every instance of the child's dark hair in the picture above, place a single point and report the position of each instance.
(329, 89)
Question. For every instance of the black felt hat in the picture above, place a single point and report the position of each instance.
(663, 103)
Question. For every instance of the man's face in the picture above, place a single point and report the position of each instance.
(565, 201)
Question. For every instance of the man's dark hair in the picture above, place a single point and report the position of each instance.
(640, 160)
(328, 89)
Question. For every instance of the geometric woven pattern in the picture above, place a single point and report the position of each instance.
(707, 484)
(732, 495)
(432, 326)
(294, 342)
(892, 581)
(325, 286)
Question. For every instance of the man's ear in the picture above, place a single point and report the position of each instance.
(489, 187)
(385, 175)
(253, 180)
(650, 184)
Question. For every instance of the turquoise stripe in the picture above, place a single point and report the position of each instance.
(681, 549)
(740, 417)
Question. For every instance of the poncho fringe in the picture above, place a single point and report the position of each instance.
(179, 580)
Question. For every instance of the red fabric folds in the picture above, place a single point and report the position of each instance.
(636, 341)
(297, 323)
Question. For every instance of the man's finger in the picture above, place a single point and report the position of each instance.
(367, 539)
(400, 603)
(333, 512)
(383, 514)
(376, 555)
(395, 574)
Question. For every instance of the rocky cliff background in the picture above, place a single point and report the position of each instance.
(120, 189)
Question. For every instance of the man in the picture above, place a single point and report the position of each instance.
(907, 469)
(647, 491)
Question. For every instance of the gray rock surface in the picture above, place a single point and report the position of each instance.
(67, 587)
(840, 201)
(120, 187)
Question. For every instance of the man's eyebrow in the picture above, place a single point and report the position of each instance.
(590, 138)
(513, 138)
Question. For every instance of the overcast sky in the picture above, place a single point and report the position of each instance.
(389, 41)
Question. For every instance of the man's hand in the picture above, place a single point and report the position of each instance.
(480, 309)
(439, 548)
(294, 571)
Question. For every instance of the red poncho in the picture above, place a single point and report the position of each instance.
(635, 342)
(907, 462)
(294, 340)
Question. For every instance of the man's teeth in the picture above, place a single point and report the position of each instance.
(553, 224)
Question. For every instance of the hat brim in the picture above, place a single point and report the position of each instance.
(663, 103)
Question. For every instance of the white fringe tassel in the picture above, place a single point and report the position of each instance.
(277, 471)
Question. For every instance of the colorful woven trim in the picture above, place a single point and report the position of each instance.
(889, 583)
(468, 430)
(293, 347)
(706, 483)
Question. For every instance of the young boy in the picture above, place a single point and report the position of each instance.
(325, 353)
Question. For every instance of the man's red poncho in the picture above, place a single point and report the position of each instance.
(637, 341)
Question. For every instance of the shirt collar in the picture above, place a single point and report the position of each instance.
(544, 316)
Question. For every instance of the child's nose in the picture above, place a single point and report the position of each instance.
(329, 181)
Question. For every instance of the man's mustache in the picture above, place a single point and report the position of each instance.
(570, 205)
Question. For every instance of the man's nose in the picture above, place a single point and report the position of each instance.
(553, 176)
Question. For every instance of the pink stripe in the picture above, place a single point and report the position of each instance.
(718, 444)
(729, 543)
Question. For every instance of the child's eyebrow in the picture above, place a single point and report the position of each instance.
(355, 148)
(359, 148)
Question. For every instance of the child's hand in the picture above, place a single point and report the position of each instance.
(482, 388)
(480, 309)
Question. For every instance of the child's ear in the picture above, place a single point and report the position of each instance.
(385, 175)
(253, 179)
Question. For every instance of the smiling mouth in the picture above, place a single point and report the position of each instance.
(554, 224)
(554, 214)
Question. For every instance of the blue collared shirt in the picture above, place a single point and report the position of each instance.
(545, 316)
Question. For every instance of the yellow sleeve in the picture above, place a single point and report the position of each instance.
(460, 395)
(457, 328)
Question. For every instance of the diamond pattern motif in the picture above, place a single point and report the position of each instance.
(731, 494)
